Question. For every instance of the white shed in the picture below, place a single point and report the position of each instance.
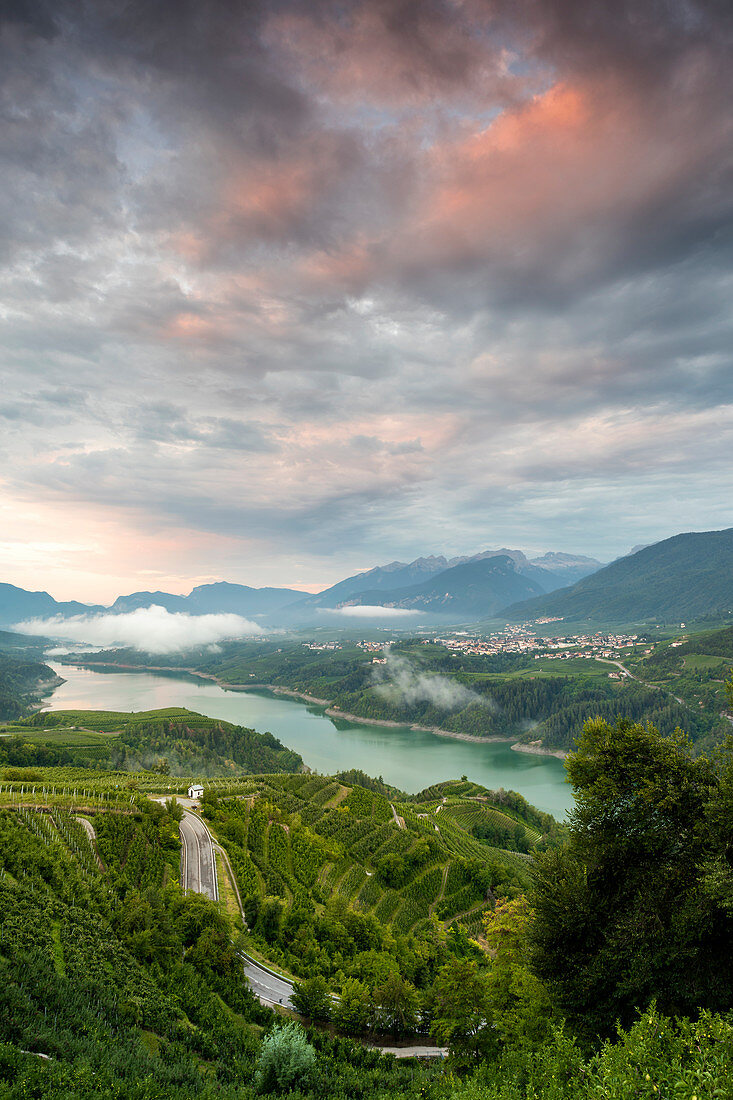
(195, 791)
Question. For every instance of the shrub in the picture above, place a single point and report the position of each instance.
(287, 1060)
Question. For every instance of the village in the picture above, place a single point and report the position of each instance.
(524, 639)
(512, 639)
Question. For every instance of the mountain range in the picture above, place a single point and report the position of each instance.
(472, 587)
(687, 577)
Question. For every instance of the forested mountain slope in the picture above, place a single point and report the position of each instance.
(684, 578)
(21, 682)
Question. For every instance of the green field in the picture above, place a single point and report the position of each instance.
(702, 660)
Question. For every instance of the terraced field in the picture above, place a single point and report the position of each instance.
(297, 836)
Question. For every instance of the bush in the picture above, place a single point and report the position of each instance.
(287, 1060)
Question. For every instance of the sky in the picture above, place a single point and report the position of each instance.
(291, 289)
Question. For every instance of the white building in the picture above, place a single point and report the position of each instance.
(195, 791)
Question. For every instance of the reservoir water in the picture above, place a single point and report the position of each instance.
(409, 759)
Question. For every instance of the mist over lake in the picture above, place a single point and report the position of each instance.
(409, 759)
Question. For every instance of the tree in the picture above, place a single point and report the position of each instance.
(392, 870)
(286, 1061)
(311, 998)
(174, 809)
(353, 1012)
(461, 1010)
(397, 1004)
(520, 1006)
(634, 908)
(270, 917)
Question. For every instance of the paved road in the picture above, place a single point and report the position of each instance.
(199, 874)
(198, 866)
(631, 676)
(266, 986)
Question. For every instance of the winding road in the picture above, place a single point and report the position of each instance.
(198, 866)
(267, 986)
(198, 873)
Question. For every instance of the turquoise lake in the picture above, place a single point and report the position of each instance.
(409, 759)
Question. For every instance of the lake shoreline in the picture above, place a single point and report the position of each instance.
(408, 758)
(538, 750)
(331, 710)
(43, 689)
(336, 712)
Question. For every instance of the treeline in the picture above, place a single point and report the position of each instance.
(208, 748)
(553, 708)
(633, 700)
(19, 753)
(19, 682)
(179, 747)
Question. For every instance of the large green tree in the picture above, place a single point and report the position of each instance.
(461, 1010)
(397, 1004)
(354, 1010)
(638, 906)
(311, 998)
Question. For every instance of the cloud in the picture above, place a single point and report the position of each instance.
(370, 611)
(399, 681)
(412, 270)
(148, 629)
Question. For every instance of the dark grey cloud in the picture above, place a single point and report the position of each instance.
(368, 279)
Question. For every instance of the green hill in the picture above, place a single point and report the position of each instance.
(686, 578)
(174, 741)
(21, 681)
(117, 984)
(308, 851)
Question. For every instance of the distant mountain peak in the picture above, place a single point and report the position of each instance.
(562, 561)
(684, 577)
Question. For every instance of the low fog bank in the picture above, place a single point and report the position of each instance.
(370, 611)
(400, 682)
(147, 629)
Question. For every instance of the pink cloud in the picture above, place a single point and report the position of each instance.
(550, 184)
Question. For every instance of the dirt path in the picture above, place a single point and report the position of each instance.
(89, 828)
(441, 892)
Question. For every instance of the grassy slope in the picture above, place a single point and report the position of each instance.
(683, 578)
